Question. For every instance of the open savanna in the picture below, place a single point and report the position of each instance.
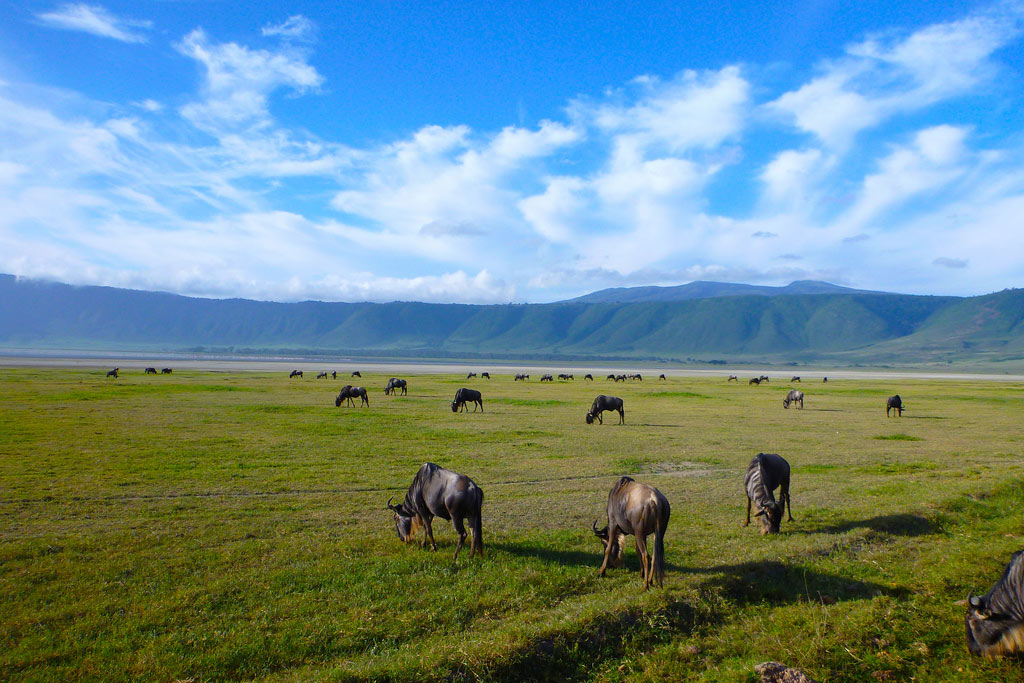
(215, 526)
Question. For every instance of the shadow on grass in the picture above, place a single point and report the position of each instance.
(894, 525)
(578, 558)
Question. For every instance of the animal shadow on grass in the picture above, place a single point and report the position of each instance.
(895, 525)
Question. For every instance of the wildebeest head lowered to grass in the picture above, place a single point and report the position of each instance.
(603, 403)
(766, 472)
(437, 492)
(640, 510)
(995, 621)
(895, 404)
(464, 396)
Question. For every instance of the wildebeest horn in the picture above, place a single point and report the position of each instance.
(974, 600)
(596, 532)
(390, 506)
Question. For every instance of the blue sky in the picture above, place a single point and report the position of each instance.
(522, 152)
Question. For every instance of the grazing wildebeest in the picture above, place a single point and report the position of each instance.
(295, 373)
(661, 376)
(754, 380)
(824, 379)
(894, 403)
(334, 374)
(485, 375)
(764, 378)
(566, 377)
(612, 377)
(165, 371)
(588, 376)
(793, 396)
(521, 377)
(322, 375)
(356, 374)
(766, 472)
(620, 378)
(640, 510)
(348, 392)
(394, 384)
(603, 403)
(464, 396)
(995, 621)
(733, 378)
(795, 378)
(149, 371)
(638, 377)
(547, 378)
(113, 373)
(470, 375)
(437, 492)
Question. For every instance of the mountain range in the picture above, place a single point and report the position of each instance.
(803, 322)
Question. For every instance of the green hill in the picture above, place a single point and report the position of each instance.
(838, 327)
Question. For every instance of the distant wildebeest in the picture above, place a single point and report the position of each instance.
(733, 378)
(464, 396)
(322, 375)
(437, 492)
(995, 621)
(394, 384)
(547, 378)
(895, 404)
(764, 378)
(824, 379)
(588, 376)
(566, 377)
(638, 377)
(113, 373)
(485, 375)
(295, 373)
(521, 377)
(149, 371)
(334, 374)
(754, 380)
(640, 510)
(471, 375)
(793, 396)
(356, 374)
(165, 371)
(620, 378)
(611, 377)
(795, 378)
(766, 472)
(603, 403)
(661, 376)
(349, 392)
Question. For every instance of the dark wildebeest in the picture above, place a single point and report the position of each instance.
(620, 378)
(437, 492)
(394, 384)
(638, 377)
(547, 378)
(733, 378)
(995, 621)
(639, 510)
(485, 375)
(766, 472)
(824, 379)
(356, 374)
(603, 403)
(521, 377)
(894, 403)
(661, 376)
(793, 396)
(165, 371)
(612, 377)
(334, 374)
(588, 376)
(464, 396)
(764, 378)
(348, 392)
(470, 375)
(113, 373)
(754, 380)
(322, 375)
(295, 373)
(149, 371)
(795, 378)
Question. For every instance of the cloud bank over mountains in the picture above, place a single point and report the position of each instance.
(867, 171)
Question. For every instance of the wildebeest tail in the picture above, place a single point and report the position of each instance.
(659, 552)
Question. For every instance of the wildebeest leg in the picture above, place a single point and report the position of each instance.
(747, 523)
(428, 530)
(613, 533)
(622, 416)
(598, 416)
(477, 544)
(784, 491)
(461, 528)
(646, 566)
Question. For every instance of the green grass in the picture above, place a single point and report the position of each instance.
(216, 526)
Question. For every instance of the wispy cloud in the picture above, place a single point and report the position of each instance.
(296, 27)
(96, 20)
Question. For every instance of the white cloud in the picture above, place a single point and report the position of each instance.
(296, 27)
(95, 20)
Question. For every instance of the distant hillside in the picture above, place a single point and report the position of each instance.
(845, 328)
(701, 289)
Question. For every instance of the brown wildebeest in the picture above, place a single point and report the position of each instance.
(894, 403)
(640, 510)
(437, 492)
(766, 472)
(793, 396)
(995, 621)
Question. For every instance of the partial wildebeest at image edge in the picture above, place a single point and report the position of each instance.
(995, 620)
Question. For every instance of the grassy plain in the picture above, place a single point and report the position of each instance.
(231, 526)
